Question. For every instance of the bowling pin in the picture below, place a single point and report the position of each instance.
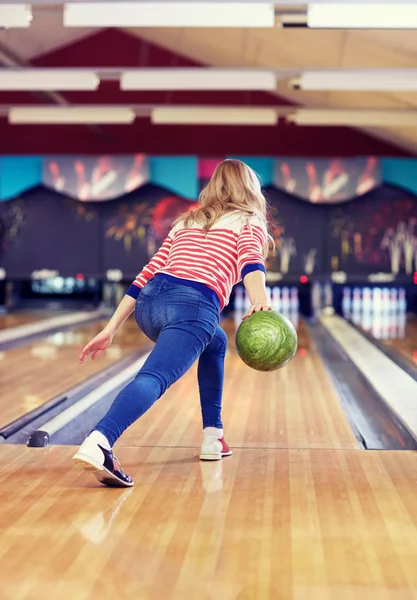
(367, 300)
(285, 303)
(239, 300)
(377, 299)
(376, 325)
(316, 296)
(393, 325)
(366, 323)
(294, 318)
(402, 320)
(294, 300)
(385, 323)
(393, 300)
(386, 300)
(346, 303)
(356, 302)
(276, 301)
(402, 301)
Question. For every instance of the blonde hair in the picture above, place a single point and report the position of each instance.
(233, 187)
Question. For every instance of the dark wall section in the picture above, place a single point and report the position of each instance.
(375, 233)
(44, 230)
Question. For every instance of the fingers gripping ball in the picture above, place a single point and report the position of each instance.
(266, 341)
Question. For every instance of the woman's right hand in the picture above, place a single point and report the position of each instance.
(97, 346)
(257, 308)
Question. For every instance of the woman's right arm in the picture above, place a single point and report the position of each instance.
(251, 264)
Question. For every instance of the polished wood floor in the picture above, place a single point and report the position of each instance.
(295, 407)
(299, 512)
(263, 524)
(33, 374)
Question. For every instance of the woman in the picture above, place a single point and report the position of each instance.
(177, 299)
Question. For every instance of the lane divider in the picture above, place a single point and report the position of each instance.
(40, 437)
(396, 387)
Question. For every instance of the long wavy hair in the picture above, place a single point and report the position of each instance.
(233, 187)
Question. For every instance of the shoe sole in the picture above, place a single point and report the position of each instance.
(101, 473)
(215, 456)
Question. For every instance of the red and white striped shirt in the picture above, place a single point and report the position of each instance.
(232, 248)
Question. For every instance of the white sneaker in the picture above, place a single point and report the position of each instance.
(213, 446)
(91, 456)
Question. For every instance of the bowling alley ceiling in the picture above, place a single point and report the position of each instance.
(48, 43)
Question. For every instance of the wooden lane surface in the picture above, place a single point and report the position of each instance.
(33, 374)
(407, 346)
(261, 525)
(296, 407)
(15, 319)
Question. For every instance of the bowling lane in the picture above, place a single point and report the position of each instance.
(15, 319)
(296, 407)
(33, 374)
(393, 329)
(405, 339)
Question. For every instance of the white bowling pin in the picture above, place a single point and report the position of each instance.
(239, 302)
(402, 321)
(285, 299)
(367, 300)
(346, 303)
(276, 301)
(316, 296)
(385, 323)
(356, 302)
(393, 325)
(293, 316)
(294, 299)
(402, 300)
(386, 300)
(377, 299)
(366, 323)
(377, 326)
(394, 300)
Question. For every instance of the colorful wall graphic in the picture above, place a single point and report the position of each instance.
(93, 178)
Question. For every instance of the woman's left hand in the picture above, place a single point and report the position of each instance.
(257, 308)
(97, 346)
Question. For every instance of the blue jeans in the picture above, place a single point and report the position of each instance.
(184, 324)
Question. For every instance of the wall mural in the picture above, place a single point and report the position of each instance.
(327, 180)
(95, 178)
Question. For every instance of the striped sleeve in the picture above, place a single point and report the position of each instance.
(250, 246)
(153, 266)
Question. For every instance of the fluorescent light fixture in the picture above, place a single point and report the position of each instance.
(197, 79)
(68, 115)
(354, 118)
(169, 14)
(214, 116)
(15, 15)
(363, 80)
(362, 15)
(48, 79)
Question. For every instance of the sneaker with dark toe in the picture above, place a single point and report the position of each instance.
(102, 462)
